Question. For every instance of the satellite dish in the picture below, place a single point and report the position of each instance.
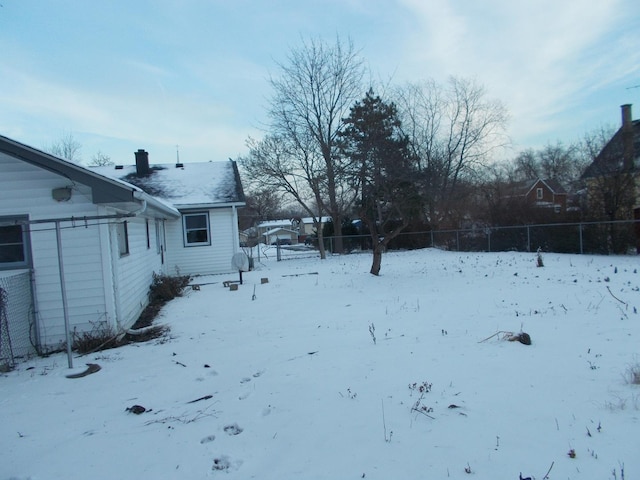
(240, 262)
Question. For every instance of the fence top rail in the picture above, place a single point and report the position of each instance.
(489, 229)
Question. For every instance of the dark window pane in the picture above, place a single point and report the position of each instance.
(11, 234)
(197, 236)
(196, 221)
(11, 253)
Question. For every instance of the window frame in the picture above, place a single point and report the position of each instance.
(122, 233)
(539, 193)
(148, 233)
(186, 231)
(20, 221)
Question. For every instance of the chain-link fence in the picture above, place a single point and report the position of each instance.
(618, 237)
(16, 312)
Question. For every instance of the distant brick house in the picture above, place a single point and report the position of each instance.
(545, 194)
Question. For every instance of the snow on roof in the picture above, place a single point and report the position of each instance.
(278, 229)
(277, 223)
(192, 184)
(310, 219)
(274, 223)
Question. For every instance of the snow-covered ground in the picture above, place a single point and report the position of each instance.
(300, 390)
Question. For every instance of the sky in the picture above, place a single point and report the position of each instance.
(317, 374)
(192, 76)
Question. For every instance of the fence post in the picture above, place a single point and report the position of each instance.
(457, 240)
(431, 238)
(580, 233)
(528, 238)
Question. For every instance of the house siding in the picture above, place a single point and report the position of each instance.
(133, 273)
(100, 291)
(207, 259)
(26, 190)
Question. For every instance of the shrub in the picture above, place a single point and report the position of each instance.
(163, 289)
(166, 287)
(100, 337)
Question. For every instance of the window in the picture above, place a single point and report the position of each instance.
(196, 229)
(123, 238)
(539, 193)
(13, 244)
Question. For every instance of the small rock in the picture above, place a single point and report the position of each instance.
(137, 409)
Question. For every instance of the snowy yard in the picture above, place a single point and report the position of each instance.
(327, 372)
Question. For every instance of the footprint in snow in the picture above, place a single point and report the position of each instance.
(233, 429)
(208, 439)
(224, 463)
(245, 380)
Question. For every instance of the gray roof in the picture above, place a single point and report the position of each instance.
(524, 187)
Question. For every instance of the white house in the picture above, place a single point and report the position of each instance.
(88, 244)
(207, 195)
(284, 236)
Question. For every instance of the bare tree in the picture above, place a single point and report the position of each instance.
(99, 159)
(262, 204)
(312, 94)
(453, 131)
(67, 148)
(554, 161)
(276, 164)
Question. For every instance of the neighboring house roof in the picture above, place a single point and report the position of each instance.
(188, 185)
(525, 187)
(289, 222)
(309, 220)
(611, 158)
(274, 223)
(273, 231)
(104, 190)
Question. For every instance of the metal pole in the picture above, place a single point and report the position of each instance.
(580, 231)
(63, 289)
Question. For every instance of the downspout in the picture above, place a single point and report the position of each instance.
(143, 207)
(234, 209)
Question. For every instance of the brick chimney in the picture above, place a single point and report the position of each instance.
(142, 163)
(627, 137)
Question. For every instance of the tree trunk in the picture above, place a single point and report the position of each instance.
(377, 259)
(323, 252)
(338, 244)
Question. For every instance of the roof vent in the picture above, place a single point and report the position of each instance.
(179, 165)
(119, 167)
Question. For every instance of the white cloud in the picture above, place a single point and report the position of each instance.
(540, 58)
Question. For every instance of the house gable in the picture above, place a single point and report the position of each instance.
(622, 151)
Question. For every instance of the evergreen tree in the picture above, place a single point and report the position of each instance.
(379, 167)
